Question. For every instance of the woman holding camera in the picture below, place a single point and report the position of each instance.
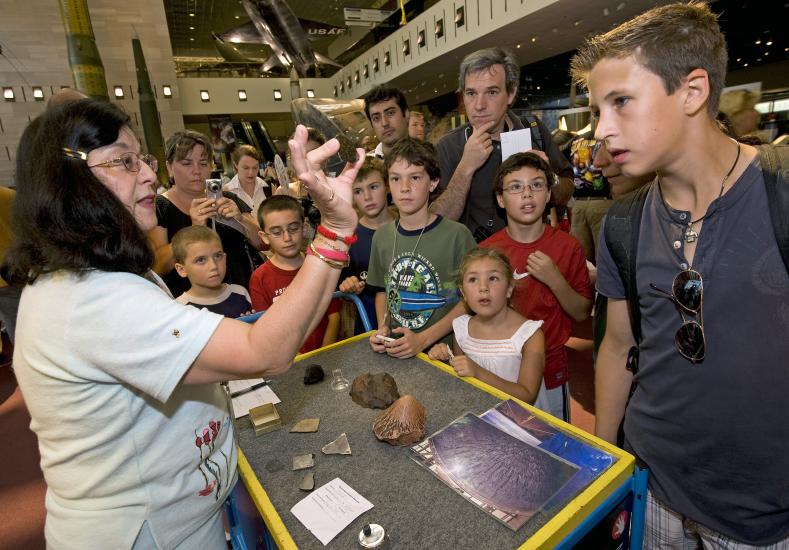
(189, 157)
(121, 381)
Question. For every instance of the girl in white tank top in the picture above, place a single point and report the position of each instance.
(496, 344)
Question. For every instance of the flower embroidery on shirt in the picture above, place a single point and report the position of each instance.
(206, 440)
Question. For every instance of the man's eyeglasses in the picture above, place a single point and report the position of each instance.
(517, 188)
(130, 161)
(687, 291)
(291, 228)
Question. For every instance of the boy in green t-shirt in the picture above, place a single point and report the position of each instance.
(413, 260)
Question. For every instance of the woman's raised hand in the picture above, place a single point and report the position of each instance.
(332, 196)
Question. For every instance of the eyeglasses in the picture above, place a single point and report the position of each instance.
(279, 232)
(517, 187)
(687, 291)
(130, 161)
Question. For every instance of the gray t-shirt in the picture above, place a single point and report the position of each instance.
(714, 434)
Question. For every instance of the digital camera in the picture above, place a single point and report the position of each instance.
(213, 189)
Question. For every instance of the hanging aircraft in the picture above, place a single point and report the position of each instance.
(272, 22)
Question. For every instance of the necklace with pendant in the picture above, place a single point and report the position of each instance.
(393, 293)
(691, 235)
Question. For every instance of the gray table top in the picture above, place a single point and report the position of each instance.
(416, 509)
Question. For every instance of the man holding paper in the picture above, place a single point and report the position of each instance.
(469, 155)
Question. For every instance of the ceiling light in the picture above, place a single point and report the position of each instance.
(191, 15)
(769, 43)
(766, 53)
(277, 95)
(738, 60)
(238, 17)
(758, 42)
(576, 23)
(192, 39)
(191, 28)
(744, 64)
(311, 93)
(167, 91)
(204, 96)
(38, 93)
(8, 94)
(538, 87)
(118, 92)
(534, 39)
(242, 95)
(518, 45)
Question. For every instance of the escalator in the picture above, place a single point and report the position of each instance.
(255, 134)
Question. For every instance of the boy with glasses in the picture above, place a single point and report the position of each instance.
(199, 257)
(708, 416)
(552, 281)
(282, 224)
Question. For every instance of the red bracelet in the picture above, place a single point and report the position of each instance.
(331, 254)
(332, 236)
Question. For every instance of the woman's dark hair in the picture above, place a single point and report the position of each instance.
(63, 216)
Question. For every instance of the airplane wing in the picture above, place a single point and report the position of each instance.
(324, 60)
(245, 34)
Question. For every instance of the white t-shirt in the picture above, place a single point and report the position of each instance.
(99, 360)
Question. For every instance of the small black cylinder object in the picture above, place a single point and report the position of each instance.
(367, 530)
(313, 374)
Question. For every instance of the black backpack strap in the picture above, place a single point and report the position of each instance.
(621, 231)
(531, 122)
(775, 167)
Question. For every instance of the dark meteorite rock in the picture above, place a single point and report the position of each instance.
(374, 391)
(313, 374)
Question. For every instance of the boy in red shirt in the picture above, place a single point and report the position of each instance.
(552, 281)
(281, 220)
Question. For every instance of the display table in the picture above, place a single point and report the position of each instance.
(415, 508)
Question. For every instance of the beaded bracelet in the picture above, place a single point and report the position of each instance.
(331, 235)
(333, 246)
(336, 264)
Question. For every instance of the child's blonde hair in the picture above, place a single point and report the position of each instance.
(190, 235)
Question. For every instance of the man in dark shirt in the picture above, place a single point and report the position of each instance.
(387, 110)
(709, 412)
(470, 155)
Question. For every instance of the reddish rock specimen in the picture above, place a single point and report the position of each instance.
(401, 424)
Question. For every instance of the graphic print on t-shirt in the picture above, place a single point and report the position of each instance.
(413, 290)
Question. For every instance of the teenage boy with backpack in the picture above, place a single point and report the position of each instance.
(696, 259)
